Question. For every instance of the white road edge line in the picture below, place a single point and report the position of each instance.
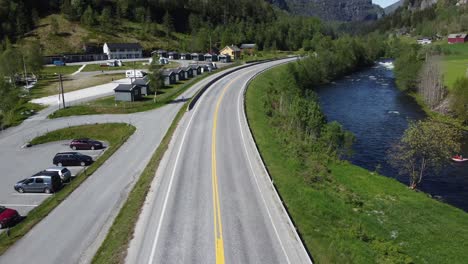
(255, 176)
(242, 92)
(19, 205)
(161, 219)
(79, 70)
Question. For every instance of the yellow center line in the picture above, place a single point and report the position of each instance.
(218, 227)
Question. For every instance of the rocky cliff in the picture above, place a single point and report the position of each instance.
(341, 10)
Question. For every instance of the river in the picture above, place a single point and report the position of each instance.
(369, 104)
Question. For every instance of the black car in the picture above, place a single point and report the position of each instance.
(44, 181)
(72, 159)
(85, 143)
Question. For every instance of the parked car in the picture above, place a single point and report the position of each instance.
(44, 181)
(72, 159)
(8, 217)
(86, 143)
(135, 74)
(64, 173)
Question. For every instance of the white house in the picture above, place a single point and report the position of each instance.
(123, 50)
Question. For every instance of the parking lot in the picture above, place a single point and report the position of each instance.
(25, 162)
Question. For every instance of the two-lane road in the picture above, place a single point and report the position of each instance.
(212, 200)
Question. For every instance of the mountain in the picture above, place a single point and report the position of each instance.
(338, 10)
(392, 8)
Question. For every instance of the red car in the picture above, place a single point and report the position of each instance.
(86, 143)
(8, 217)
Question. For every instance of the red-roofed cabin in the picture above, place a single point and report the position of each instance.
(457, 38)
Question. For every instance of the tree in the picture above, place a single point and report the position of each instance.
(459, 99)
(32, 54)
(88, 17)
(156, 77)
(168, 23)
(54, 25)
(425, 145)
(8, 99)
(105, 18)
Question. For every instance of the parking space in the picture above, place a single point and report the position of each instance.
(19, 163)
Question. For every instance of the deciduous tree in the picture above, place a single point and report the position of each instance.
(426, 145)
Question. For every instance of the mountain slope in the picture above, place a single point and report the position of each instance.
(341, 10)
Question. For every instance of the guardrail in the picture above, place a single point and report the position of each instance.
(203, 90)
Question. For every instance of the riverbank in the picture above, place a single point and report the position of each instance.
(354, 215)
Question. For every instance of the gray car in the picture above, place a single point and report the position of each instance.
(64, 173)
(45, 181)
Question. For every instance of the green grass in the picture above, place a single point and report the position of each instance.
(114, 133)
(114, 247)
(64, 70)
(455, 63)
(127, 66)
(108, 105)
(49, 85)
(359, 216)
(23, 111)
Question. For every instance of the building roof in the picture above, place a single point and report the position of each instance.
(173, 53)
(208, 55)
(193, 66)
(233, 48)
(248, 46)
(124, 88)
(188, 68)
(224, 55)
(168, 73)
(140, 82)
(458, 35)
(124, 45)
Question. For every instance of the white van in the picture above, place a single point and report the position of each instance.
(135, 74)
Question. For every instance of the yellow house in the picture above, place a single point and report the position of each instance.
(232, 51)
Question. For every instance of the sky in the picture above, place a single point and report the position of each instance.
(384, 3)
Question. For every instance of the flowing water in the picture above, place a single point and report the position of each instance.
(369, 104)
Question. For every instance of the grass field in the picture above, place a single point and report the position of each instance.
(455, 63)
(64, 70)
(50, 85)
(358, 216)
(114, 133)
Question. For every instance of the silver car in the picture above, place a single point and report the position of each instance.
(65, 174)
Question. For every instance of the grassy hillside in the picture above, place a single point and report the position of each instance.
(356, 216)
(71, 36)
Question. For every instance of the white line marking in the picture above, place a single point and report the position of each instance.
(161, 219)
(31, 194)
(79, 70)
(19, 205)
(255, 176)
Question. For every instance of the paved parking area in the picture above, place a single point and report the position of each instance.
(23, 163)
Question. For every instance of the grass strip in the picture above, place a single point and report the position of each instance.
(356, 216)
(114, 248)
(109, 106)
(114, 133)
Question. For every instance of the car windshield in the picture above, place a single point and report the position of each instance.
(2, 209)
(64, 170)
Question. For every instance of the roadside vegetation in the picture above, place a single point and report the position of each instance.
(114, 133)
(344, 213)
(49, 85)
(114, 248)
(165, 95)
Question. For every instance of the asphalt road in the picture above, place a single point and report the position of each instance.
(212, 200)
(73, 231)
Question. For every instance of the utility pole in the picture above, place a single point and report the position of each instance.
(61, 88)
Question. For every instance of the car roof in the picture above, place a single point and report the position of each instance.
(55, 168)
(65, 153)
(45, 173)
